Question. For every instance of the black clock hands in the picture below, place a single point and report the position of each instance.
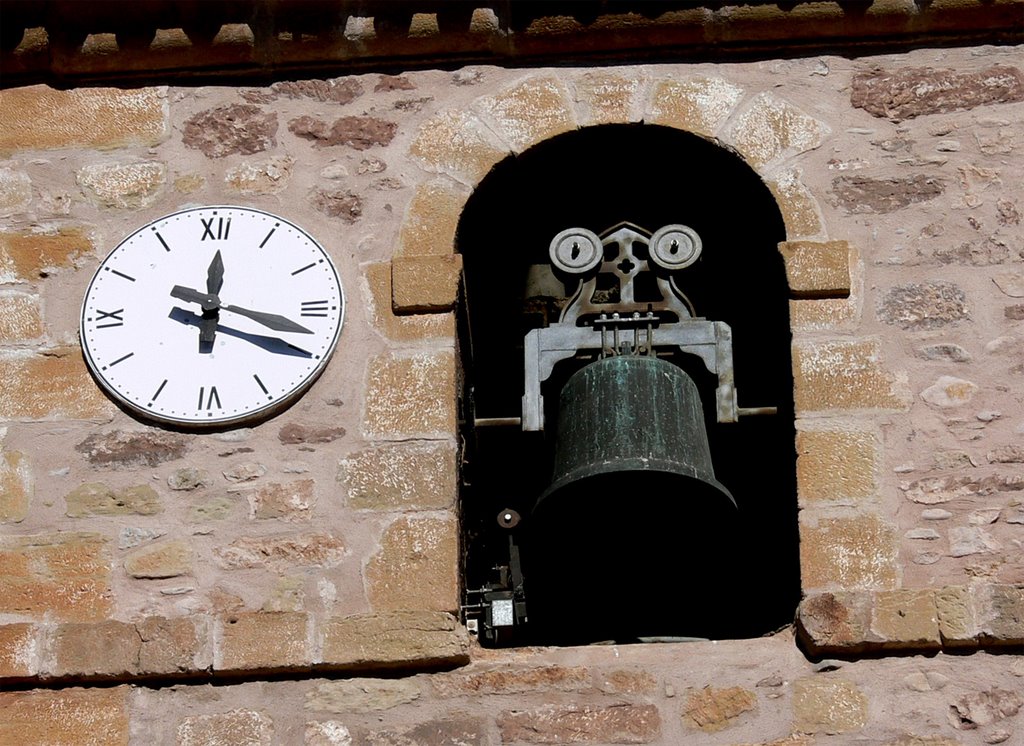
(214, 282)
(210, 302)
(270, 344)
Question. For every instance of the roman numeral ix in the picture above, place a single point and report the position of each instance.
(112, 318)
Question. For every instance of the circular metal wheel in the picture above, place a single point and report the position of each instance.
(675, 247)
(576, 251)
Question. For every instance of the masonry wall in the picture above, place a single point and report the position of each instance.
(297, 581)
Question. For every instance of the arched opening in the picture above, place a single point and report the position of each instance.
(649, 176)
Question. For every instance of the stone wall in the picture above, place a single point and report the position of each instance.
(309, 564)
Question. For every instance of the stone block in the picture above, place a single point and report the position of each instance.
(270, 176)
(425, 284)
(949, 391)
(914, 91)
(411, 397)
(49, 386)
(905, 619)
(406, 327)
(15, 191)
(128, 449)
(770, 129)
(798, 205)
(536, 109)
(27, 257)
(356, 132)
(398, 639)
(828, 706)
(626, 682)
(859, 195)
(236, 129)
(264, 641)
(248, 727)
(1000, 609)
(604, 97)
(957, 616)
(457, 143)
(107, 649)
(823, 314)
(417, 566)
(924, 306)
(298, 434)
(847, 553)
(65, 716)
(21, 318)
(15, 486)
(338, 203)
(560, 724)
(836, 465)
(62, 576)
(168, 559)
(307, 550)
(843, 375)
(712, 710)
(127, 186)
(170, 646)
(509, 680)
(290, 502)
(817, 269)
(835, 622)
(404, 476)
(698, 105)
(432, 219)
(447, 731)
(362, 695)
(19, 650)
(326, 733)
(39, 117)
(94, 498)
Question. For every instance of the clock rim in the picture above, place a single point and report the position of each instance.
(252, 416)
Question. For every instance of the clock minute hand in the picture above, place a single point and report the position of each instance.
(269, 320)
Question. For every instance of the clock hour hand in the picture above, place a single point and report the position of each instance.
(210, 302)
(215, 274)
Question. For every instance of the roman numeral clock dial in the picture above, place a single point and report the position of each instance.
(214, 316)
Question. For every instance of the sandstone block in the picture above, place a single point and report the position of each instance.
(298, 434)
(905, 619)
(26, 257)
(95, 649)
(94, 498)
(21, 318)
(394, 639)
(416, 567)
(338, 203)
(335, 90)
(1000, 609)
(937, 490)
(770, 129)
(698, 105)
(949, 391)
(410, 397)
(128, 186)
(627, 682)
(509, 680)
(40, 117)
(425, 284)
(270, 176)
(168, 559)
(843, 375)
(169, 646)
(432, 218)
(607, 98)
(15, 486)
(911, 92)
(404, 476)
(957, 616)
(188, 478)
(798, 205)
(828, 705)
(615, 724)
(836, 465)
(290, 502)
(54, 385)
(448, 731)
(63, 575)
(65, 716)
(457, 143)
(406, 327)
(19, 650)
(817, 269)
(316, 550)
(835, 622)
(712, 710)
(326, 733)
(241, 129)
(862, 194)
(248, 727)
(358, 133)
(919, 306)
(851, 553)
(362, 695)
(123, 449)
(264, 640)
(15, 191)
(534, 110)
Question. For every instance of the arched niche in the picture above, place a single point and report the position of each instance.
(650, 176)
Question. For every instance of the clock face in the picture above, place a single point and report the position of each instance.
(212, 316)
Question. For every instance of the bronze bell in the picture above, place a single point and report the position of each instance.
(631, 540)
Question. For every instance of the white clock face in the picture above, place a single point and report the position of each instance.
(212, 316)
